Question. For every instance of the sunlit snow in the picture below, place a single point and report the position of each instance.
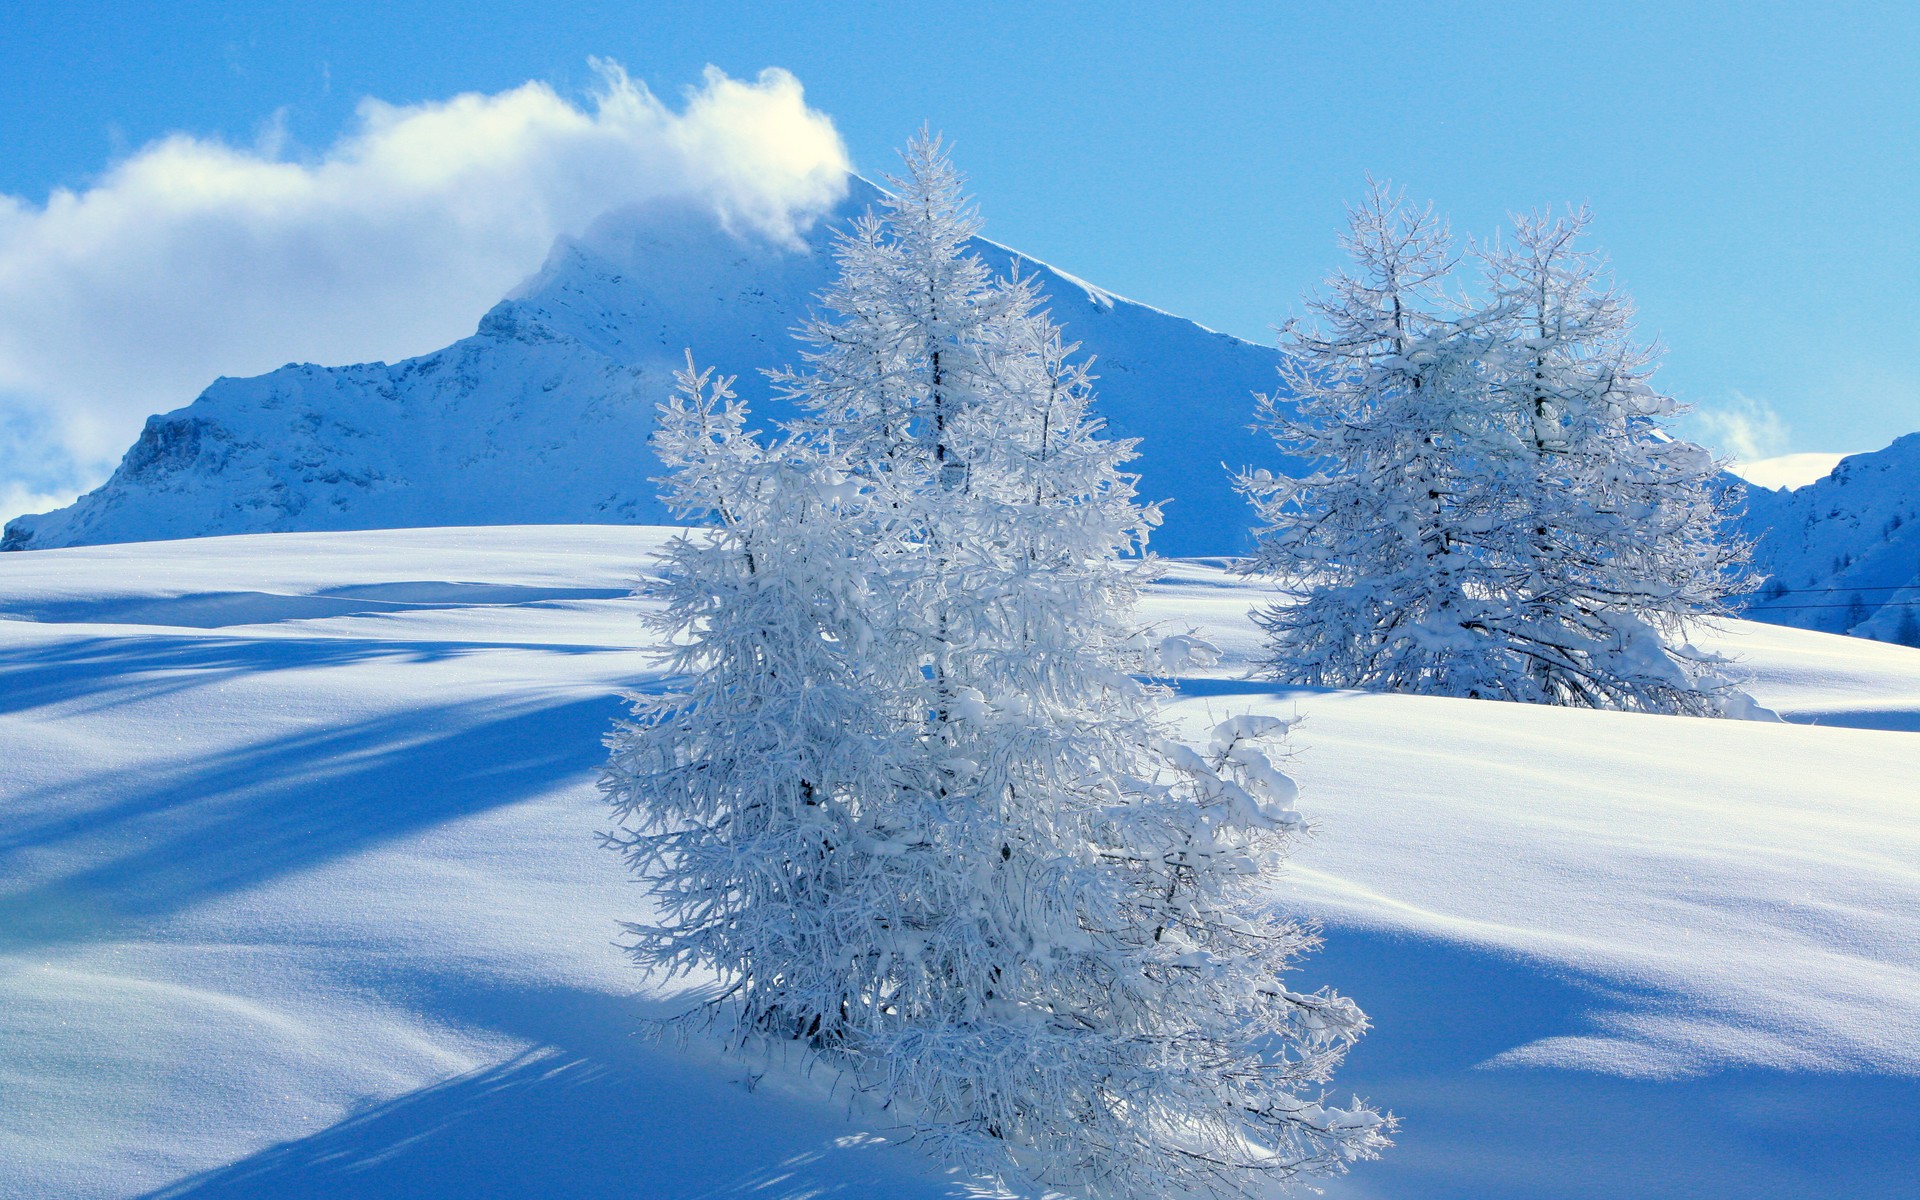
(299, 895)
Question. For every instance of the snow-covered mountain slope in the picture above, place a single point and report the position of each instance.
(299, 896)
(543, 414)
(1842, 554)
(1787, 471)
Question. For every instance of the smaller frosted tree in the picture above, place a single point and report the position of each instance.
(1611, 541)
(1492, 507)
(1385, 400)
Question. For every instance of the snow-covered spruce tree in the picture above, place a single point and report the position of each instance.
(732, 793)
(1041, 928)
(1494, 509)
(1612, 542)
(1386, 399)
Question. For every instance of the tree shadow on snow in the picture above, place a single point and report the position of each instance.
(597, 1111)
(220, 610)
(1893, 720)
(1194, 688)
(178, 835)
(98, 673)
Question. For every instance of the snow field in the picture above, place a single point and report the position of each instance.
(299, 896)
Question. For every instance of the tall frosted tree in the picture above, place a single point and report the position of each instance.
(1493, 506)
(1041, 927)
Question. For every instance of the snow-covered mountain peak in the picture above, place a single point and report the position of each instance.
(543, 414)
(652, 281)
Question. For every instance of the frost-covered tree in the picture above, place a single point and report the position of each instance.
(1385, 399)
(731, 788)
(1613, 542)
(916, 750)
(1493, 508)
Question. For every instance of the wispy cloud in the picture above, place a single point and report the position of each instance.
(192, 258)
(1742, 427)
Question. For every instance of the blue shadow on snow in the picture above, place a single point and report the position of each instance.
(1440, 1009)
(178, 836)
(597, 1111)
(219, 610)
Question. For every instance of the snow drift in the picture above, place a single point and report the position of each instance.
(299, 896)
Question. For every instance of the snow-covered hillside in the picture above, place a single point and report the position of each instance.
(1842, 554)
(299, 896)
(543, 414)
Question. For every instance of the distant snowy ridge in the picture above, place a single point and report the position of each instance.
(542, 416)
(1842, 554)
(1787, 470)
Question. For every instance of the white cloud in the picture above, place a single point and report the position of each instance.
(1741, 427)
(17, 497)
(192, 259)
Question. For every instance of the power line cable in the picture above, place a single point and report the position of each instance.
(1754, 608)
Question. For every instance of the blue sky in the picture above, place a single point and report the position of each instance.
(1754, 168)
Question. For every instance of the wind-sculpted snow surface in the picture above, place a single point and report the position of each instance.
(1842, 554)
(305, 900)
(543, 414)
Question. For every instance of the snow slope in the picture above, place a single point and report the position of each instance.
(1787, 471)
(299, 897)
(1842, 554)
(542, 415)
